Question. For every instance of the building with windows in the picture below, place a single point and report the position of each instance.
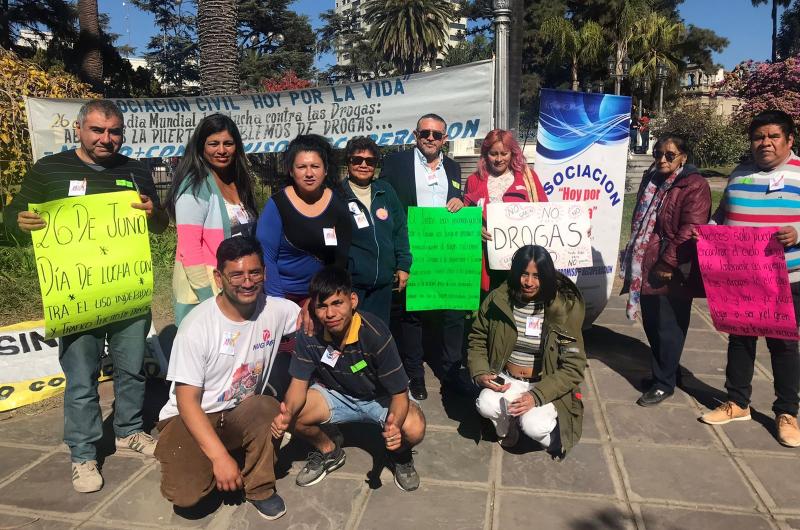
(700, 87)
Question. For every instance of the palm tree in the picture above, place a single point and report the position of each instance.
(574, 45)
(656, 42)
(626, 14)
(219, 51)
(89, 44)
(409, 33)
(775, 3)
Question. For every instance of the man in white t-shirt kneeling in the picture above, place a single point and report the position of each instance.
(220, 362)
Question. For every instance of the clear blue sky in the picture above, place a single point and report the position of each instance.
(748, 28)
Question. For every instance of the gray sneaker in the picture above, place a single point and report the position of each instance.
(141, 442)
(319, 465)
(405, 476)
(86, 476)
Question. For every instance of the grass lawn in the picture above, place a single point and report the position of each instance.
(627, 213)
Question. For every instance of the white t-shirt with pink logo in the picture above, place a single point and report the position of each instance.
(228, 360)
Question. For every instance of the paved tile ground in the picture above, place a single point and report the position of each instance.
(636, 468)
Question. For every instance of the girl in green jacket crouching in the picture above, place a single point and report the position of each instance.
(526, 352)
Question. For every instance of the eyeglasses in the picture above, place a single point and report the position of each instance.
(238, 278)
(358, 160)
(427, 133)
(669, 156)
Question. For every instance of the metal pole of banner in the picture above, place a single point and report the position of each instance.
(502, 24)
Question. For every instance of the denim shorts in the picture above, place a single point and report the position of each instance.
(347, 409)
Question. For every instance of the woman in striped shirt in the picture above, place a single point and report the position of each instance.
(526, 351)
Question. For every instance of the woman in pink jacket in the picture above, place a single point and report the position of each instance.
(503, 175)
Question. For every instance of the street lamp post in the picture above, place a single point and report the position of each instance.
(502, 25)
(618, 70)
(661, 75)
(642, 87)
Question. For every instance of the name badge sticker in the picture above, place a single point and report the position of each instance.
(776, 182)
(360, 365)
(228, 346)
(330, 236)
(241, 215)
(330, 356)
(432, 178)
(361, 220)
(533, 326)
(354, 209)
(77, 188)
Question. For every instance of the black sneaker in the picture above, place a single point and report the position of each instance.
(652, 397)
(402, 465)
(271, 508)
(319, 465)
(418, 390)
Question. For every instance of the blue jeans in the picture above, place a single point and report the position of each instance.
(79, 356)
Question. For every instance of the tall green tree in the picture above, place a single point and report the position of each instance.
(774, 14)
(789, 35)
(698, 46)
(35, 17)
(219, 52)
(469, 50)
(575, 45)
(173, 51)
(342, 33)
(626, 15)
(409, 33)
(273, 40)
(656, 42)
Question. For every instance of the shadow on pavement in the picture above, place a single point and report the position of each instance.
(627, 356)
(608, 519)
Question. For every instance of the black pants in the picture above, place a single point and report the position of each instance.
(666, 322)
(444, 329)
(785, 358)
(377, 301)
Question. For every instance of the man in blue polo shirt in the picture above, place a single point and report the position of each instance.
(358, 376)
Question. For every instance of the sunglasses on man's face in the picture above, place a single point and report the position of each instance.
(358, 160)
(669, 156)
(427, 133)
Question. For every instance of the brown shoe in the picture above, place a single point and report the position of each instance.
(788, 432)
(726, 413)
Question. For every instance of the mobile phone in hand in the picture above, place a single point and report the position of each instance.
(499, 380)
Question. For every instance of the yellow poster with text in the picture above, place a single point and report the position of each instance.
(93, 261)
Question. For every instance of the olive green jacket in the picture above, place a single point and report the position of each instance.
(494, 334)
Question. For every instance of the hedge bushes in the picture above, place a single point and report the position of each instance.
(713, 140)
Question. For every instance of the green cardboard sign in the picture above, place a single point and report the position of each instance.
(446, 252)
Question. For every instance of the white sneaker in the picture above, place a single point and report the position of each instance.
(141, 442)
(86, 476)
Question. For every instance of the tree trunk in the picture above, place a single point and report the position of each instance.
(91, 58)
(575, 85)
(219, 52)
(5, 26)
(774, 30)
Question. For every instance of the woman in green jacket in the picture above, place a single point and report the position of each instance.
(379, 255)
(526, 352)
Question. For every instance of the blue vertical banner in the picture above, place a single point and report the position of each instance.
(581, 156)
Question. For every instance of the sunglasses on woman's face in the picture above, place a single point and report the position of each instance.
(669, 156)
(358, 160)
